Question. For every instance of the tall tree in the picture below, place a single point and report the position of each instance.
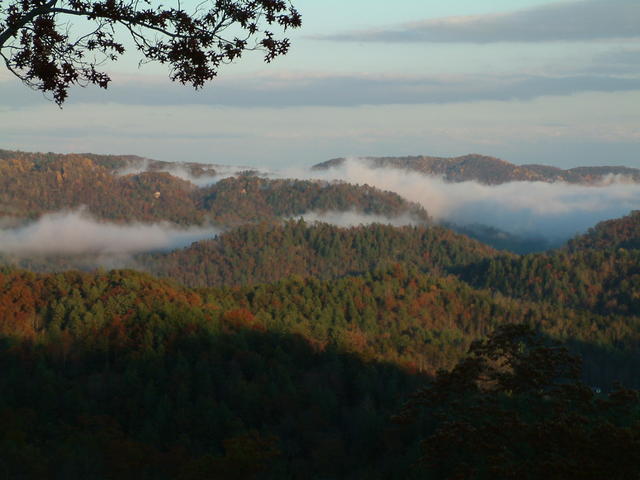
(515, 408)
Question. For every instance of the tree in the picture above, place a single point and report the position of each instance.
(40, 45)
(516, 409)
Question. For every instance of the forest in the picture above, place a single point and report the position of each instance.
(283, 348)
(34, 184)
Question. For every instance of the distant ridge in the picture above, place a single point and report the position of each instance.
(489, 170)
(134, 189)
(112, 163)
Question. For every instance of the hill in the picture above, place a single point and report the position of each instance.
(118, 372)
(605, 281)
(116, 163)
(248, 198)
(616, 233)
(488, 170)
(34, 184)
(32, 187)
(501, 240)
(279, 349)
(119, 375)
(266, 253)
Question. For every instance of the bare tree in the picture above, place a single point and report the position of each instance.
(44, 47)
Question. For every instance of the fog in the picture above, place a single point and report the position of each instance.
(352, 218)
(76, 233)
(556, 211)
(184, 172)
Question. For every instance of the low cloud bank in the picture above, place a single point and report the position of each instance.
(178, 171)
(556, 211)
(75, 233)
(183, 172)
(353, 218)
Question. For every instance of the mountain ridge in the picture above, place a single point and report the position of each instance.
(35, 184)
(488, 170)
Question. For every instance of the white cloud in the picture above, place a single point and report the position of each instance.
(71, 233)
(555, 210)
(184, 172)
(353, 218)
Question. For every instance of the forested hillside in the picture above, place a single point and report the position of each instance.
(286, 349)
(32, 185)
(298, 378)
(122, 376)
(501, 240)
(615, 233)
(29, 189)
(600, 280)
(253, 199)
(267, 253)
(113, 163)
(598, 271)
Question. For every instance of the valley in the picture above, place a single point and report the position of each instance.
(282, 332)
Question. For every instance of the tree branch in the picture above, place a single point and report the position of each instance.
(123, 21)
(41, 48)
(24, 20)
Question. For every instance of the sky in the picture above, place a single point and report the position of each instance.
(528, 81)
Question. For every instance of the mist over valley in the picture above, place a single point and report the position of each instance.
(123, 205)
(283, 263)
(376, 277)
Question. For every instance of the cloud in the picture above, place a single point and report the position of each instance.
(582, 129)
(75, 233)
(555, 210)
(201, 181)
(560, 21)
(175, 170)
(184, 172)
(353, 218)
(335, 90)
(618, 62)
